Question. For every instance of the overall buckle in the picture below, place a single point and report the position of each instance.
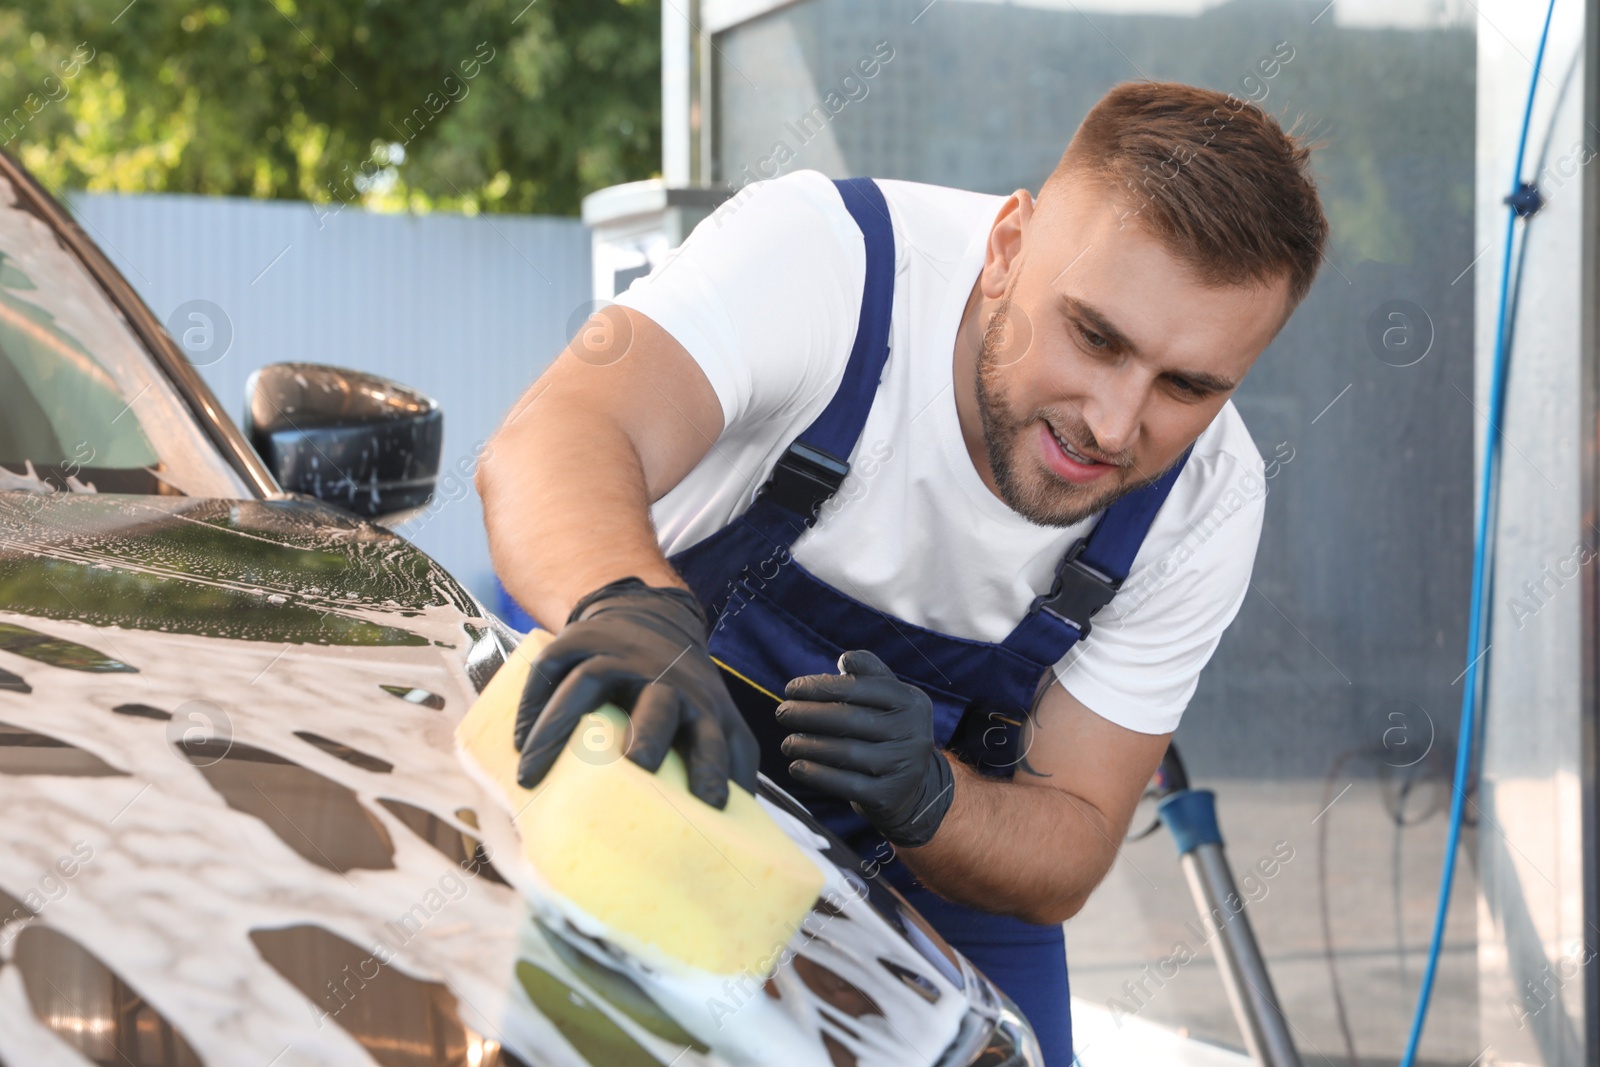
(1079, 591)
(804, 479)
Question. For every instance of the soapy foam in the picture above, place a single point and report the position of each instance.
(178, 879)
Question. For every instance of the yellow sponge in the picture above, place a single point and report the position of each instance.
(723, 891)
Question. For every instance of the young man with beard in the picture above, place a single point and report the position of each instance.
(1012, 409)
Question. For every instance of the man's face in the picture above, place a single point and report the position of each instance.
(1105, 358)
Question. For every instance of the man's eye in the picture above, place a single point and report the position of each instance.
(1183, 385)
(1094, 339)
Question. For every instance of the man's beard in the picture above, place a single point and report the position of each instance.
(1042, 497)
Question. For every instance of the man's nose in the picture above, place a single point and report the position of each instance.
(1114, 410)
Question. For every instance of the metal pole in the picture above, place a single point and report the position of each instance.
(1192, 817)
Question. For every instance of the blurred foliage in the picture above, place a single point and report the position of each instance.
(470, 105)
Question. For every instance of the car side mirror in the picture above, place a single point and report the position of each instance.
(348, 438)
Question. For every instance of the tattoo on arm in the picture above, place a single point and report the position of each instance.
(1030, 723)
(1027, 768)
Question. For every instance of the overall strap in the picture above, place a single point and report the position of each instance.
(815, 465)
(1090, 574)
(1115, 539)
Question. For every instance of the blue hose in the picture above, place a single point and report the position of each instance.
(1488, 498)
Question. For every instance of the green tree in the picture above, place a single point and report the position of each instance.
(472, 105)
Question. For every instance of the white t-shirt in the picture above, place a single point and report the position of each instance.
(765, 294)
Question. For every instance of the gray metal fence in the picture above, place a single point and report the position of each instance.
(469, 310)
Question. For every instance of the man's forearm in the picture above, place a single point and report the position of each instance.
(558, 528)
(1032, 851)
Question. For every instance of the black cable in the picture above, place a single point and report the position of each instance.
(1432, 767)
(1555, 113)
(1398, 900)
(1339, 1012)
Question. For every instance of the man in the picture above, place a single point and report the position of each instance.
(892, 444)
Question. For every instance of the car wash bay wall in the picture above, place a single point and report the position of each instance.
(1361, 408)
(1327, 717)
(1328, 714)
(469, 310)
(1534, 804)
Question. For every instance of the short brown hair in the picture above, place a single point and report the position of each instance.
(1210, 175)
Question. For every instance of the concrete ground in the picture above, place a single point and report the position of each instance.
(1106, 1039)
(1137, 919)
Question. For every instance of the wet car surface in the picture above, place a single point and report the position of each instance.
(235, 827)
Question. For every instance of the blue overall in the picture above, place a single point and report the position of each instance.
(774, 621)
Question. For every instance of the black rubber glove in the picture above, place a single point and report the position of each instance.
(867, 737)
(642, 648)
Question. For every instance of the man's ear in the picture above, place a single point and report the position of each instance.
(1007, 239)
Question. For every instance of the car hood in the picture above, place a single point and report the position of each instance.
(236, 830)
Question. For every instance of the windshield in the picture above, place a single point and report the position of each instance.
(83, 406)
